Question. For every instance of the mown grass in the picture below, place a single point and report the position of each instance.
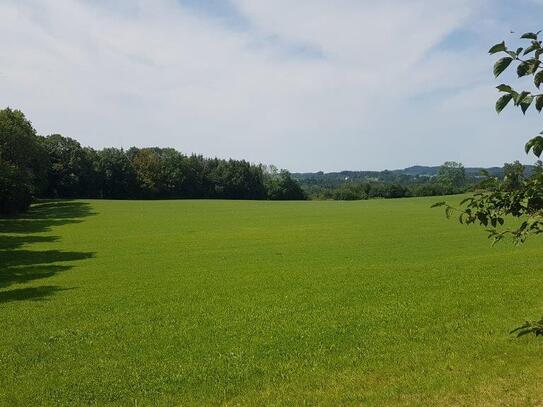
(263, 303)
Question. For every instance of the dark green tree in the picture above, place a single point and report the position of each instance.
(148, 169)
(23, 162)
(116, 177)
(234, 179)
(452, 175)
(15, 189)
(513, 176)
(175, 173)
(281, 186)
(71, 171)
(59, 167)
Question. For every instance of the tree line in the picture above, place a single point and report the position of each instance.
(450, 179)
(362, 190)
(54, 166)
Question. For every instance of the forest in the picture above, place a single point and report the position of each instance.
(54, 166)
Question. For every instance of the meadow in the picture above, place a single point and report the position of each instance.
(380, 302)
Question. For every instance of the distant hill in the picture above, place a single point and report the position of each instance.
(432, 171)
(387, 176)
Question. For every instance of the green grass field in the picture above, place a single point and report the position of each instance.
(263, 303)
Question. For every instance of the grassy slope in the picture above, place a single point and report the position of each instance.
(180, 302)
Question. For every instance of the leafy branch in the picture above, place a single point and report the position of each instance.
(514, 196)
(517, 195)
(526, 67)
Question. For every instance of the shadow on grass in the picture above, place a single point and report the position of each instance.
(19, 266)
(30, 294)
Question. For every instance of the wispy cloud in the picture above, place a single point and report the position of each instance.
(306, 85)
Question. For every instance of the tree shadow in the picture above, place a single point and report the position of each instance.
(19, 264)
(30, 294)
(43, 216)
(54, 209)
(10, 242)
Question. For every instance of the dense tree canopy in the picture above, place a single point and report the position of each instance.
(452, 175)
(115, 175)
(59, 167)
(70, 172)
(23, 162)
(281, 186)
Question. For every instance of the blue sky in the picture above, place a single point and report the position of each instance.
(307, 85)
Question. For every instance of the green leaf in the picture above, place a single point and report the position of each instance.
(528, 146)
(525, 104)
(438, 204)
(531, 48)
(501, 65)
(536, 145)
(523, 69)
(528, 67)
(498, 48)
(538, 79)
(505, 88)
(539, 103)
(537, 150)
(529, 36)
(502, 102)
(519, 98)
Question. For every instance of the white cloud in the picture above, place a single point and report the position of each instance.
(307, 85)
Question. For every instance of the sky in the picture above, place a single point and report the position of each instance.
(306, 85)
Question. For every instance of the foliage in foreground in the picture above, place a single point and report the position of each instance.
(516, 196)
